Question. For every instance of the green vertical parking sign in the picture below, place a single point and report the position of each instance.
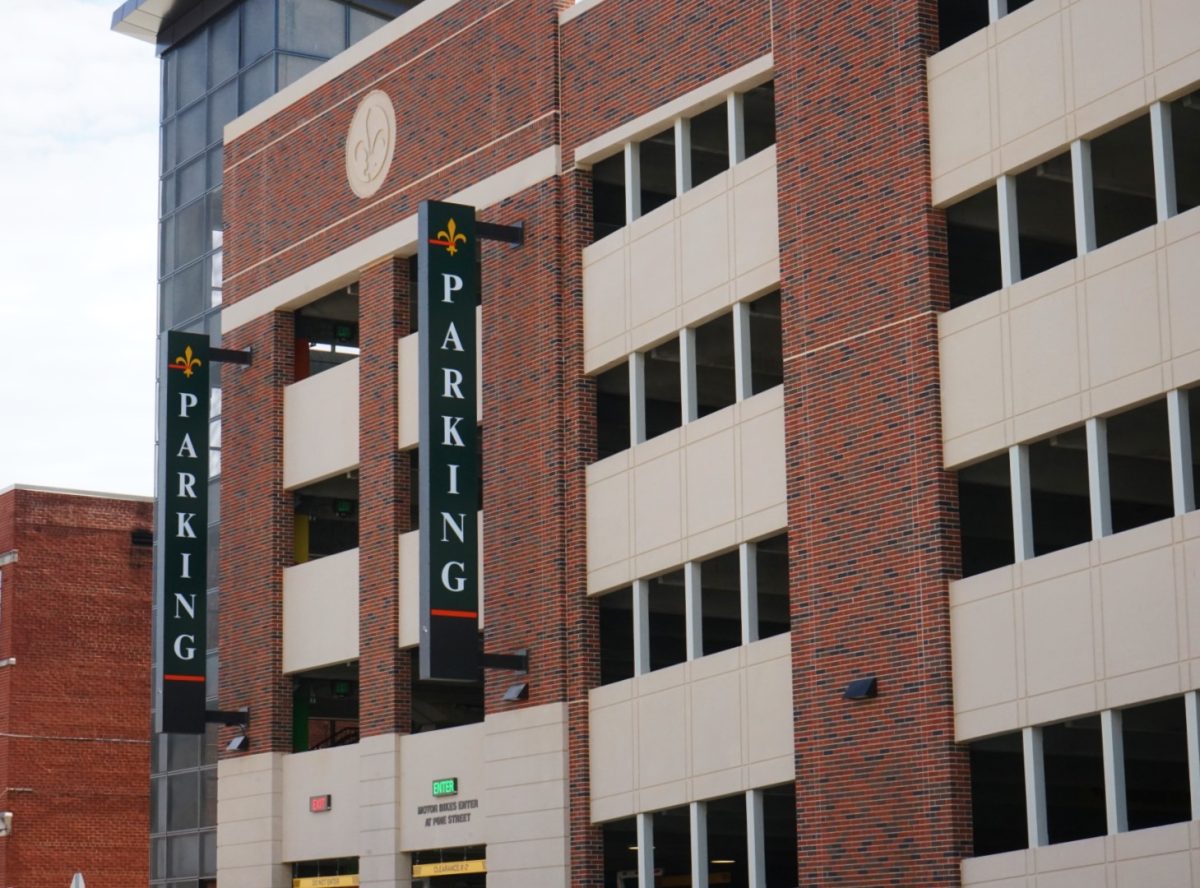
(183, 531)
(448, 290)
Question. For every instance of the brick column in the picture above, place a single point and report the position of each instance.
(882, 789)
(384, 672)
(257, 517)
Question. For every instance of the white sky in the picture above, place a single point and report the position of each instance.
(78, 227)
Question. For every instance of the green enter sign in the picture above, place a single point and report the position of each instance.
(446, 787)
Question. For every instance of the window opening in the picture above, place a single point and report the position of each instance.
(1123, 181)
(727, 850)
(1185, 137)
(710, 143)
(608, 195)
(998, 813)
(960, 18)
(720, 603)
(612, 411)
(664, 409)
(766, 343)
(620, 852)
(656, 159)
(714, 365)
(759, 116)
(1139, 466)
(673, 846)
(779, 834)
(616, 635)
(326, 519)
(334, 866)
(774, 607)
(985, 515)
(1074, 770)
(973, 247)
(1045, 215)
(325, 707)
(437, 705)
(1058, 485)
(1156, 766)
(327, 332)
(667, 620)
(1014, 5)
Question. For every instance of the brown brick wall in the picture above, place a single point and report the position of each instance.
(474, 92)
(257, 517)
(624, 58)
(385, 489)
(75, 709)
(882, 790)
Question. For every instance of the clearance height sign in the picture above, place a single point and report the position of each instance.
(448, 290)
(183, 530)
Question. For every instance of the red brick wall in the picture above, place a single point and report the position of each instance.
(75, 709)
(257, 517)
(627, 57)
(882, 790)
(385, 490)
(474, 92)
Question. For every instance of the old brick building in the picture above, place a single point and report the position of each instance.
(74, 687)
(836, 444)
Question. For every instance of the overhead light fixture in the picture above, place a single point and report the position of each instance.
(861, 689)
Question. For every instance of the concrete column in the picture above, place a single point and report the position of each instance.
(1010, 249)
(1164, 161)
(1179, 427)
(743, 380)
(633, 182)
(645, 842)
(756, 849)
(689, 402)
(1191, 704)
(641, 627)
(748, 588)
(735, 116)
(997, 9)
(692, 597)
(1022, 502)
(1035, 787)
(1098, 489)
(1114, 771)
(1081, 192)
(698, 818)
(683, 155)
(637, 398)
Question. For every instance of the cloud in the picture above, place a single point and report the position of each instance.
(78, 161)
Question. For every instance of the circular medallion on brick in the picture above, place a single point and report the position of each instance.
(370, 142)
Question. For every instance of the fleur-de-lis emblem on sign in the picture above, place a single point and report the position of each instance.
(187, 362)
(371, 149)
(449, 237)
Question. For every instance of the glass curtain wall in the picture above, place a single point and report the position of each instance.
(223, 68)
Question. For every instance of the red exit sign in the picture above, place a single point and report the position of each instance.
(320, 804)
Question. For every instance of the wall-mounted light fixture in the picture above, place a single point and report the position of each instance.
(862, 689)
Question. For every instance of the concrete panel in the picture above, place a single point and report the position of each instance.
(1122, 320)
(984, 652)
(320, 612)
(1045, 351)
(320, 425)
(1138, 597)
(332, 833)
(426, 822)
(1058, 634)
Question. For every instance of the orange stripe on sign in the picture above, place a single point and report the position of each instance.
(463, 614)
(183, 678)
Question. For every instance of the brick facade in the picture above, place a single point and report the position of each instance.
(74, 758)
(882, 793)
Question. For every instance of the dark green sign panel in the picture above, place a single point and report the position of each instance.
(447, 786)
(183, 530)
(448, 290)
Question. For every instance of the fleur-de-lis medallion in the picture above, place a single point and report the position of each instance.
(450, 236)
(187, 362)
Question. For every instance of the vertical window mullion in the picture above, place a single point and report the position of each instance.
(1081, 190)
(736, 120)
(1098, 486)
(1180, 432)
(637, 398)
(645, 842)
(1022, 502)
(683, 155)
(743, 380)
(692, 610)
(698, 821)
(1114, 771)
(1035, 787)
(748, 589)
(997, 9)
(1164, 161)
(689, 405)
(1191, 707)
(756, 843)
(641, 627)
(633, 182)
(1010, 246)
